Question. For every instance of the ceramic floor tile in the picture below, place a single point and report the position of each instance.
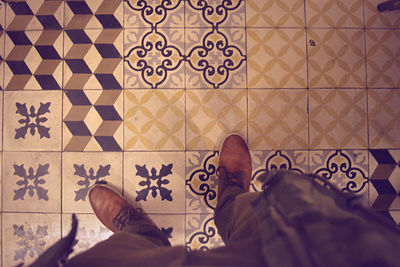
(384, 119)
(32, 182)
(33, 60)
(212, 114)
(338, 118)
(33, 121)
(90, 231)
(284, 58)
(1, 186)
(148, 65)
(383, 58)
(26, 236)
(93, 59)
(273, 13)
(278, 119)
(82, 170)
(140, 14)
(336, 58)
(376, 19)
(334, 13)
(156, 180)
(201, 181)
(214, 13)
(172, 225)
(93, 120)
(384, 169)
(93, 14)
(347, 169)
(216, 58)
(201, 232)
(2, 36)
(265, 161)
(154, 120)
(34, 15)
(1, 120)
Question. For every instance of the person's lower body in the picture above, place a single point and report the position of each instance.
(139, 242)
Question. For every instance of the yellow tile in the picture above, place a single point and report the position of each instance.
(278, 119)
(276, 58)
(336, 58)
(383, 58)
(376, 19)
(338, 118)
(212, 114)
(384, 118)
(154, 120)
(272, 13)
(339, 13)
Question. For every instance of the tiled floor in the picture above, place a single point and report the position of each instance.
(113, 90)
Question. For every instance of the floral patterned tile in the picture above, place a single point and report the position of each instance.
(34, 15)
(211, 114)
(32, 182)
(376, 19)
(284, 58)
(274, 13)
(339, 13)
(172, 225)
(264, 161)
(90, 231)
(26, 236)
(336, 58)
(338, 118)
(218, 60)
(80, 170)
(155, 181)
(383, 117)
(154, 66)
(347, 169)
(201, 232)
(160, 14)
(34, 121)
(383, 58)
(278, 119)
(154, 120)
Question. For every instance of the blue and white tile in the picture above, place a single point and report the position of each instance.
(201, 232)
(33, 122)
(26, 236)
(90, 231)
(201, 181)
(80, 170)
(32, 182)
(172, 225)
(155, 181)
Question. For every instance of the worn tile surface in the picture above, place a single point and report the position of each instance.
(141, 94)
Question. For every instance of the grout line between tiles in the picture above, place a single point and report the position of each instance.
(62, 121)
(247, 74)
(2, 140)
(123, 100)
(308, 89)
(185, 107)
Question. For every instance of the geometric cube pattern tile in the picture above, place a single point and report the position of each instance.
(140, 94)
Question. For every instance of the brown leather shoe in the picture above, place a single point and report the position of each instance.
(112, 209)
(234, 164)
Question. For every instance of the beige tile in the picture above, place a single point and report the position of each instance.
(90, 231)
(44, 135)
(155, 181)
(276, 58)
(338, 118)
(384, 119)
(383, 58)
(272, 13)
(1, 118)
(173, 226)
(32, 181)
(278, 119)
(154, 120)
(376, 19)
(80, 170)
(26, 235)
(336, 58)
(1, 183)
(340, 13)
(212, 114)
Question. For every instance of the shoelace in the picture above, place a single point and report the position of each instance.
(229, 178)
(125, 215)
